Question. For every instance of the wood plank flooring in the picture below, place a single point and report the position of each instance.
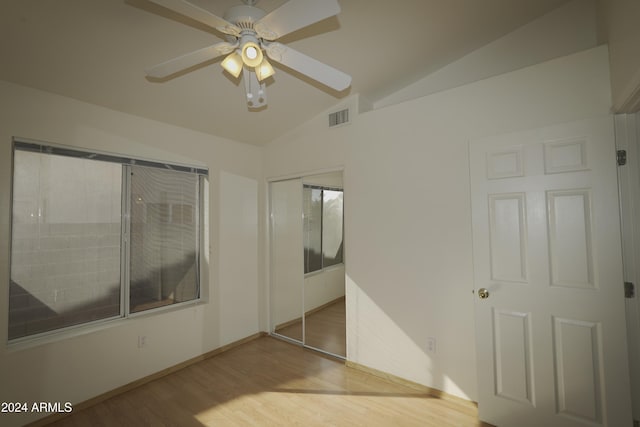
(268, 382)
(327, 329)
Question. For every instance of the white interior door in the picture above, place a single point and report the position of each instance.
(550, 335)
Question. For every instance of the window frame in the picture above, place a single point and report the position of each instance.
(125, 314)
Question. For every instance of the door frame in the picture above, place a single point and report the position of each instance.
(269, 256)
(627, 137)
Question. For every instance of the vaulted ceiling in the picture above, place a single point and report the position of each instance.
(96, 51)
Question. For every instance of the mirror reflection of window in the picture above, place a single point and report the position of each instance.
(312, 206)
(332, 228)
(323, 227)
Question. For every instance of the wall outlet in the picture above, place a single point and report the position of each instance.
(431, 345)
(142, 341)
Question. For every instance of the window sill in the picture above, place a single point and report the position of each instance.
(50, 337)
(324, 270)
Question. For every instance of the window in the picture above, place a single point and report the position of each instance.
(323, 225)
(98, 237)
(164, 238)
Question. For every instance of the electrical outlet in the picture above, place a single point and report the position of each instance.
(431, 345)
(142, 341)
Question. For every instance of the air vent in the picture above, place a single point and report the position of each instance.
(339, 118)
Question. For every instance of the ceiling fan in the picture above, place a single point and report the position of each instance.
(250, 32)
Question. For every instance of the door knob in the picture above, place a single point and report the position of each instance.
(483, 293)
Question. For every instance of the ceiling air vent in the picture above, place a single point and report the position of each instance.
(339, 118)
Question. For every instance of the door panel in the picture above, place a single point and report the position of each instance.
(287, 274)
(570, 238)
(550, 337)
(577, 363)
(324, 286)
(514, 373)
(507, 235)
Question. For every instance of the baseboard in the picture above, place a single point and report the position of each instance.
(139, 382)
(288, 323)
(439, 394)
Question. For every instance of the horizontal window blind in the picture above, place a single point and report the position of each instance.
(98, 236)
(41, 147)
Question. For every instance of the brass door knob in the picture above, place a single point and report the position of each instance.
(483, 293)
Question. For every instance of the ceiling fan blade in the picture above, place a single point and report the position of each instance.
(293, 15)
(308, 66)
(185, 8)
(190, 59)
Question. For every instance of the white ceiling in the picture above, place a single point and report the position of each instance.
(96, 51)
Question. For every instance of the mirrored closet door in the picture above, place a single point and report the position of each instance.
(286, 295)
(312, 206)
(324, 302)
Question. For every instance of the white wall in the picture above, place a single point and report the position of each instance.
(619, 25)
(566, 30)
(317, 148)
(238, 220)
(407, 213)
(420, 239)
(77, 368)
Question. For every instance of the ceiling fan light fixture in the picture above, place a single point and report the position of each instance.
(252, 37)
(264, 70)
(233, 64)
(251, 54)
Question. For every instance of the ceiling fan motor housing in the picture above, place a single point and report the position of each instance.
(244, 16)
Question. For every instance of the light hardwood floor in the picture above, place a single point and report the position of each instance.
(268, 382)
(327, 329)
